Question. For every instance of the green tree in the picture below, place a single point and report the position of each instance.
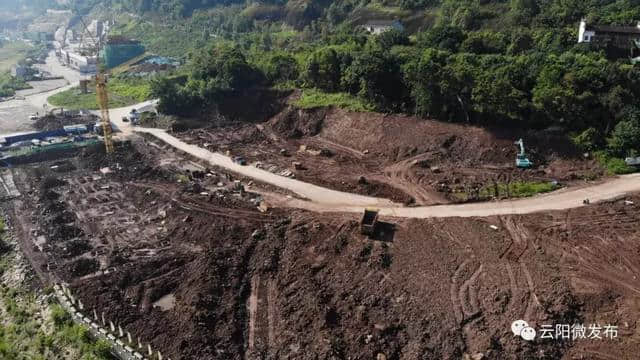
(323, 70)
(173, 97)
(497, 93)
(391, 38)
(521, 41)
(375, 75)
(625, 138)
(569, 90)
(587, 140)
(522, 12)
(281, 67)
(224, 67)
(485, 42)
(426, 76)
(444, 37)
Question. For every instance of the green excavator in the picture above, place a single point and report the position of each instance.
(521, 159)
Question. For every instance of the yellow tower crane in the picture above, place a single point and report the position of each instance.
(101, 90)
(103, 101)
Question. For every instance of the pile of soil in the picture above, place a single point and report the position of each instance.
(54, 122)
(293, 123)
(397, 137)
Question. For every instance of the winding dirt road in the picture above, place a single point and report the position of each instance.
(320, 199)
(326, 200)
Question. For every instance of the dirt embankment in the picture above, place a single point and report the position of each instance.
(406, 159)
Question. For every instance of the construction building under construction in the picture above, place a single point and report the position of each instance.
(118, 50)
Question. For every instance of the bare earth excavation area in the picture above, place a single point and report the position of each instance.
(406, 159)
(191, 259)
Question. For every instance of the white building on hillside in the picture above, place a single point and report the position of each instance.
(621, 36)
(82, 63)
(379, 26)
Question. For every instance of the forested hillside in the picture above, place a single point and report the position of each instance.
(19, 5)
(506, 63)
(468, 14)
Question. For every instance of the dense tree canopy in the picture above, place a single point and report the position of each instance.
(218, 70)
(509, 63)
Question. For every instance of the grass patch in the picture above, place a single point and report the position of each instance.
(517, 189)
(24, 336)
(312, 98)
(526, 189)
(11, 52)
(614, 165)
(9, 84)
(390, 11)
(73, 99)
(122, 92)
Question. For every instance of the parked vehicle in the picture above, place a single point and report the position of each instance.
(632, 161)
(240, 160)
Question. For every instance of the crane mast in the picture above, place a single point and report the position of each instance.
(101, 91)
(103, 101)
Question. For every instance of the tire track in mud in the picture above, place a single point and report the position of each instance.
(600, 355)
(533, 302)
(261, 308)
(519, 237)
(513, 286)
(252, 305)
(455, 300)
(401, 176)
(453, 238)
(472, 293)
(271, 308)
(608, 256)
(464, 298)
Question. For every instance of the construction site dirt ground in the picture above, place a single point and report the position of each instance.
(182, 257)
(405, 159)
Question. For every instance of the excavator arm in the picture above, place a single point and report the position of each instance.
(521, 144)
(521, 160)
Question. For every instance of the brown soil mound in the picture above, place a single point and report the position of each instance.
(397, 137)
(54, 122)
